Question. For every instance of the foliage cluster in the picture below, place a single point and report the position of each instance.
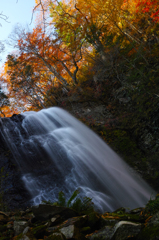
(152, 206)
(4, 103)
(110, 41)
(82, 206)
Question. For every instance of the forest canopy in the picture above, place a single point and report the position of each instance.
(75, 42)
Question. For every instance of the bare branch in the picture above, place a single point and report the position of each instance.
(4, 17)
(34, 9)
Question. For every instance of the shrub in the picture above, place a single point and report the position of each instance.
(152, 206)
(82, 206)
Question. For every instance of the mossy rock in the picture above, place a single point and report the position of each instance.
(39, 231)
(149, 233)
(3, 228)
(6, 233)
(125, 216)
(4, 238)
(22, 236)
(152, 206)
(56, 236)
(86, 230)
(94, 220)
(71, 232)
(18, 237)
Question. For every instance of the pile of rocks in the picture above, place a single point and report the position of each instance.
(59, 223)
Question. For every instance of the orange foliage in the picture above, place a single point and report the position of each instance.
(150, 7)
(67, 38)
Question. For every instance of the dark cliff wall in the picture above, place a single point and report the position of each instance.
(13, 194)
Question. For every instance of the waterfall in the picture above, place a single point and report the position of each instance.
(56, 152)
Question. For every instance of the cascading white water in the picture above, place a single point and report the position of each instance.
(57, 152)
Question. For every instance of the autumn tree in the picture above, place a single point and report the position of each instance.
(148, 9)
(4, 103)
(71, 35)
(23, 82)
(94, 22)
(48, 51)
(90, 25)
(38, 66)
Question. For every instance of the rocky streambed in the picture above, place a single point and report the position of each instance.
(50, 222)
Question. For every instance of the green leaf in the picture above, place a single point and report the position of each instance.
(74, 195)
(61, 199)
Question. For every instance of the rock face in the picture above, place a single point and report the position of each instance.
(23, 225)
(127, 120)
(12, 192)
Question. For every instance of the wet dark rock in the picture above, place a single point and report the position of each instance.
(73, 228)
(121, 231)
(46, 211)
(124, 230)
(136, 210)
(56, 236)
(104, 234)
(39, 232)
(154, 220)
(14, 194)
(19, 226)
(3, 217)
(78, 227)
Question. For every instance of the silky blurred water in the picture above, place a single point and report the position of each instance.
(57, 152)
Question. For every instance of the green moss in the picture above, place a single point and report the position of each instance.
(94, 220)
(34, 230)
(3, 228)
(56, 236)
(152, 206)
(4, 238)
(19, 236)
(125, 216)
(86, 230)
(149, 233)
(39, 231)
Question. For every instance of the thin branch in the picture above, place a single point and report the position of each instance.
(4, 17)
(34, 9)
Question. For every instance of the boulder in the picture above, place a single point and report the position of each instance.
(121, 231)
(94, 220)
(72, 228)
(47, 211)
(19, 227)
(26, 230)
(68, 232)
(72, 232)
(151, 229)
(55, 220)
(149, 233)
(124, 230)
(137, 211)
(3, 217)
(24, 237)
(104, 234)
(154, 220)
(39, 231)
(56, 236)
